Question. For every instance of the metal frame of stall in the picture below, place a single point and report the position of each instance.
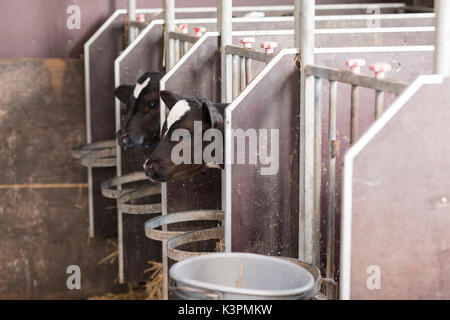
(386, 123)
(104, 159)
(305, 248)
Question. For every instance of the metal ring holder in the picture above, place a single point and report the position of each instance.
(125, 205)
(188, 237)
(103, 158)
(78, 153)
(109, 189)
(188, 216)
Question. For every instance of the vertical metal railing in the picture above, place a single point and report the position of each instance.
(353, 78)
(332, 155)
(242, 62)
(183, 41)
(309, 216)
(169, 19)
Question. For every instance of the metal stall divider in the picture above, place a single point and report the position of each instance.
(201, 62)
(400, 219)
(334, 76)
(408, 62)
(100, 51)
(133, 61)
(134, 249)
(152, 44)
(400, 55)
(211, 234)
(399, 206)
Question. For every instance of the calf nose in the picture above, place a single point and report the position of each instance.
(148, 165)
(125, 140)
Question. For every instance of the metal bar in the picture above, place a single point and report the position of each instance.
(317, 162)
(354, 115)
(442, 52)
(242, 73)
(379, 103)
(182, 46)
(248, 53)
(226, 39)
(169, 18)
(332, 154)
(236, 74)
(177, 50)
(183, 37)
(132, 29)
(391, 86)
(418, 9)
(350, 6)
(224, 9)
(304, 39)
(248, 71)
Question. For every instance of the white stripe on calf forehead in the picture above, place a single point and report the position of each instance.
(139, 87)
(176, 113)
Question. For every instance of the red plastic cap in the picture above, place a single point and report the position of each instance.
(184, 28)
(269, 46)
(247, 42)
(380, 69)
(355, 64)
(199, 31)
(141, 17)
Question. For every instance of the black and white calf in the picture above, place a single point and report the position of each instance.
(189, 120)
(141, 127)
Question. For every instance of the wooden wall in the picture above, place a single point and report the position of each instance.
(43, 192)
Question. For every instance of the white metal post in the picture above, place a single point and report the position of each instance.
(442, 52)
(225, 27)
(308, 218)
(132, 30)
(169, 18)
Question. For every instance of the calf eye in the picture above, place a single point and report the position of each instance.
(152, 104)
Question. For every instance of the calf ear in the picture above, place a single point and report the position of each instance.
(124, 92)
(212, 114)
(170, 98)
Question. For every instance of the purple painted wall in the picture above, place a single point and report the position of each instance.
(37, 28)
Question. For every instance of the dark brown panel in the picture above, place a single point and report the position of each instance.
(265, 207)
(146, 56)
(197, 77)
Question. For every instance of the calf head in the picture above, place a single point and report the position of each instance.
(186, 116)
(142, 124)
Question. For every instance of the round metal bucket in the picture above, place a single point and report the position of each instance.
(315, 272)
(240, 276)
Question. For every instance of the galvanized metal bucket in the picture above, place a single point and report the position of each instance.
(240, 276)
